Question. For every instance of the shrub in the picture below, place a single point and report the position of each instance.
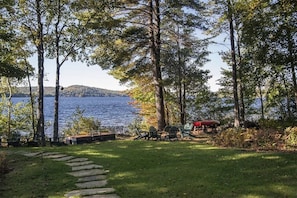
(291, 136)
(3, 163)
(81, 125)
(250, 138)
(230, 138)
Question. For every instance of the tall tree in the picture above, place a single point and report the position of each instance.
(134, 50)
(33, 22)
(68, 33)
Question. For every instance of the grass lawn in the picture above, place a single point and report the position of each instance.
(160, 169)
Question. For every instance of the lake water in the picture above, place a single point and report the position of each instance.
(110, 111)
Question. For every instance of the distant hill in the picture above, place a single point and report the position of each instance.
(71, 91)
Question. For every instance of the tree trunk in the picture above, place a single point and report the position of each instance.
(234, 68)
(58, 67)
(31, 103)
(261, 101)
(56, 111)
(9, 108)
(241, 85)
(155, 57)
(292, 64)
(40, 52)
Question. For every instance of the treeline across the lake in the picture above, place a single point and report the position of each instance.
(71, 91)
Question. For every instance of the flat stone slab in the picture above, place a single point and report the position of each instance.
(85, 173)
(86, 167)
(32, 154)
(87, 192)
(92, 178)
(54, 156)
(73, 164)
(103, 196)
(51, 153)
(64, 159)
(82, 159)
(92, 184)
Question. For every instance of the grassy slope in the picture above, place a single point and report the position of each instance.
(187, 169)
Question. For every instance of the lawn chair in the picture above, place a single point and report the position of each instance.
(153, 133)
(171, 132)
(141, 134)
(186, 130)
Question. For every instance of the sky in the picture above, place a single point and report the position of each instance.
(77, 73)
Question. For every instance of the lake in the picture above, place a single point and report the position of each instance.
(110, 111)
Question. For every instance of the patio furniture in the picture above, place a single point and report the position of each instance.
(153, 133)
(186, 130)
(141, 134)
(171, 132)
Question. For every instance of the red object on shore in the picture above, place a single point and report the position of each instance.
(207, 123)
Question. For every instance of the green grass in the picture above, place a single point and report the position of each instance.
(173, 169)
(35, 177)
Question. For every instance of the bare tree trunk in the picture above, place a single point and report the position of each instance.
(155, 57)
(234, 68)
(9, 108)
(241, 85)
(40, 51)
(261, 101)
(56, 111)
(180, 78)
(32, 104)
(58, 67)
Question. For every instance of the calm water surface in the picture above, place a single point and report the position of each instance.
(110, 111)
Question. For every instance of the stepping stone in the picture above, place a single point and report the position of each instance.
(86, 167)
(103, 196)
(91, 178)
(92, 184)
(73, 164)
(50, 153)
(32, 154)
(86, 192)
(78, 160)
(66, 158)
(54, 156)
(85, 173)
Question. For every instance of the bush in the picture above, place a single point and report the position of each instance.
(80, 125)
(230, 138)
(250, 138)
(3, 163)
(291, 136)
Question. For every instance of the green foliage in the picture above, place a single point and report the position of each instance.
(291, 136)
(136, 125)
(277, 124)
(20, 121)
(80, 125)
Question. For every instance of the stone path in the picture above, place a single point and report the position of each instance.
(91, 178)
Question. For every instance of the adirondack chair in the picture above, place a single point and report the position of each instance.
(171, 132)
(141, 134)
(186, 130)
(153, 133)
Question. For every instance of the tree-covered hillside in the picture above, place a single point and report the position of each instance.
(71, 91)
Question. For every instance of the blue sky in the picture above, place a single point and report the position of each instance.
(77, 73)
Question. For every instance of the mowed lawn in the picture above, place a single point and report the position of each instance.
(180, 169)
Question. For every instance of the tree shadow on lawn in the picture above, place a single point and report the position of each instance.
(189, 169)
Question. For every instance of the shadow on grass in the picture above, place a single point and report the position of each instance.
(188, 169)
